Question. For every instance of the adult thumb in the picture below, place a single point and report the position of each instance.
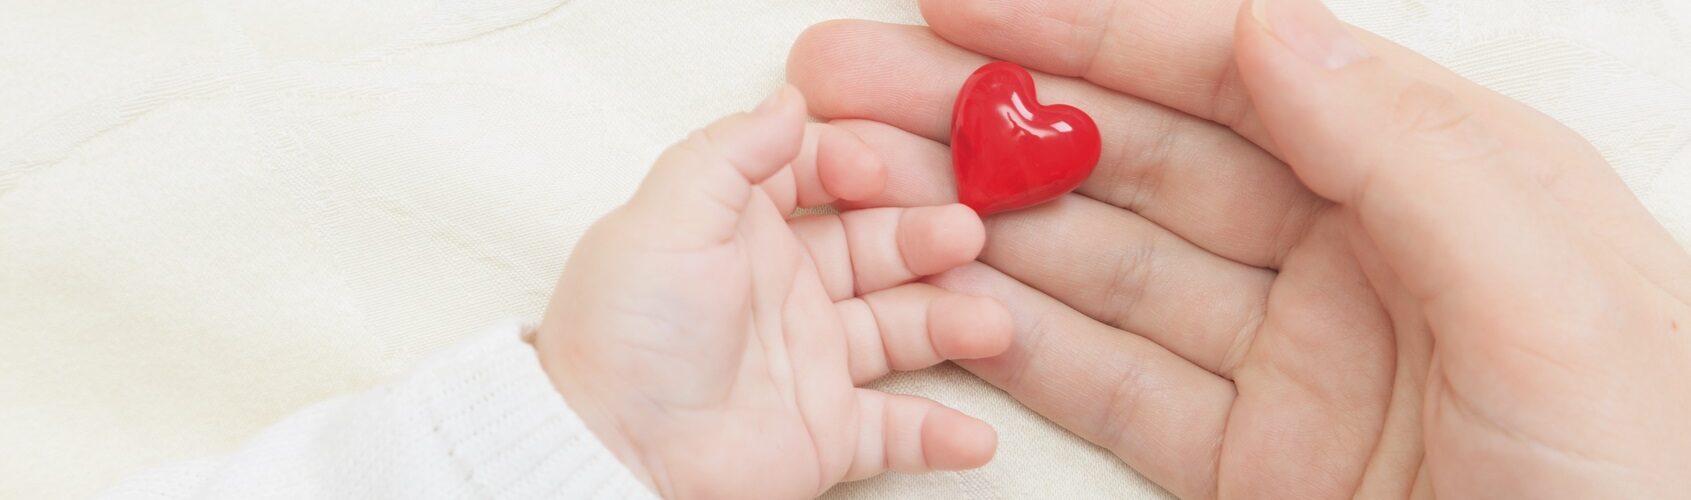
(1442, 197)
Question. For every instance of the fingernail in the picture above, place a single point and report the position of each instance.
(773, 102)
(1310, 30)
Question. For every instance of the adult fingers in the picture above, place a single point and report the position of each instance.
(1161, 414)
(1191, 47)
(1112, 42)
(1126, 272)
(1110, 264)
(1192, 176)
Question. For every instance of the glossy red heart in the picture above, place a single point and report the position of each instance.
(1010, 152)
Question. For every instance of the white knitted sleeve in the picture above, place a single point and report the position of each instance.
(480, 420)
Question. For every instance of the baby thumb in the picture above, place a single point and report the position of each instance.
(697, 190)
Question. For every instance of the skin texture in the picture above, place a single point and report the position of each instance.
(1311, 263)
(715, 344)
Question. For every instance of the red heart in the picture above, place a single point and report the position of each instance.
(1010, 152)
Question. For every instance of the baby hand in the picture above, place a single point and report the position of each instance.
(716, 344)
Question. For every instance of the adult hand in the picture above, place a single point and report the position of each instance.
(1310, 264)
(715, 345)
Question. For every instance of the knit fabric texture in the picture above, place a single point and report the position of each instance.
(478, 420)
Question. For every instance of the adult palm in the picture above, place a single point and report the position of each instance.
(1194, 307)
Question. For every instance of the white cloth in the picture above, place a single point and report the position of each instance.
(478, 420)
(214, 213)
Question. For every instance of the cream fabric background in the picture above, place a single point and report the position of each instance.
(214, 212)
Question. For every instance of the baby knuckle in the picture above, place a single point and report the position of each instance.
(700, 143)
(1424, 107)
(1433, 119)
